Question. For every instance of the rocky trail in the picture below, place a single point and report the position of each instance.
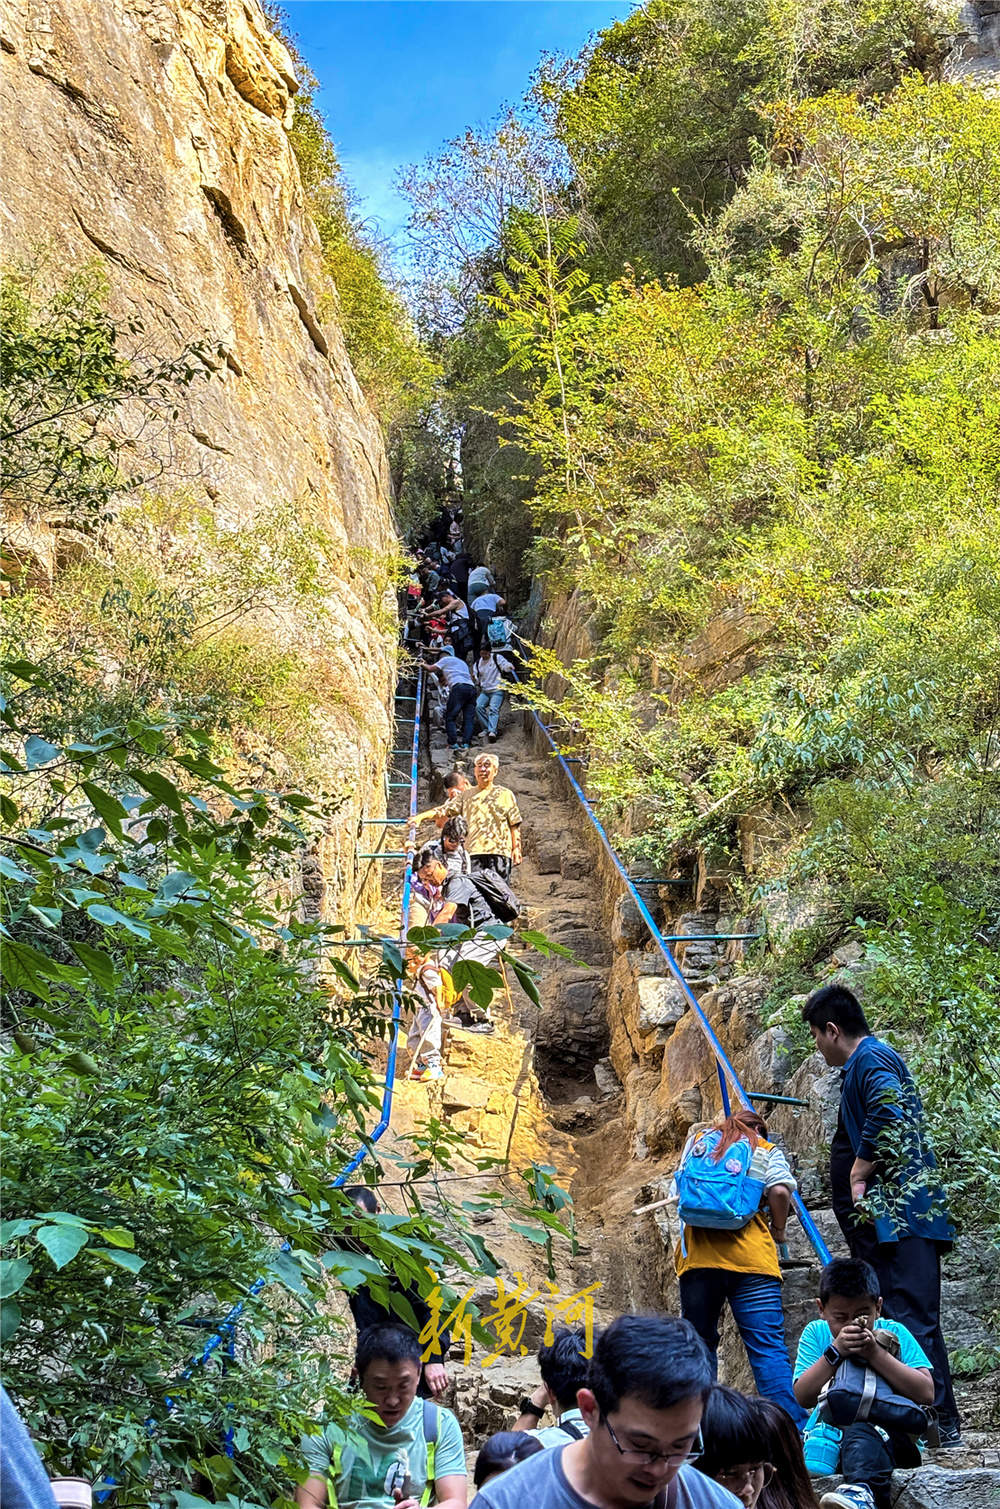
(602, 1082)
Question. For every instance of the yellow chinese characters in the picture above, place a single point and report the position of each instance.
(507, 1318)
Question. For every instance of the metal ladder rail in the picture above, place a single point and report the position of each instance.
(382, 1125)
(723, 1064)
(224, 1333)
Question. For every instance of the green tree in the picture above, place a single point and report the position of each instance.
(78, 391)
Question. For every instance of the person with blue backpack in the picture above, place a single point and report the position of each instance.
(728, 1251)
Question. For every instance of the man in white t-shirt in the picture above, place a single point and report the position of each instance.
(489, 669)
(457, 677)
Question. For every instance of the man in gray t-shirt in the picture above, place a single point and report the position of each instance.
(541, 1482)
(649, 1381)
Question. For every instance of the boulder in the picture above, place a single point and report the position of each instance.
(941, 1488)
(608, 1083)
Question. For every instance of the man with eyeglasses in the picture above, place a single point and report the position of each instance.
(648, 1385)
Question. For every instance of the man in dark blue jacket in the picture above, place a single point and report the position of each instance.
(881, 1155)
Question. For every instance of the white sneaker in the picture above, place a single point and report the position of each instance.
(848, 1496)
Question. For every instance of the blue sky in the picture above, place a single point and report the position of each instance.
(400, 77)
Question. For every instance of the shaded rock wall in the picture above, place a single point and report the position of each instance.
(150, 136)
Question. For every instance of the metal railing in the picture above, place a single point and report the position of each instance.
(722, 1061)
(224, 1332)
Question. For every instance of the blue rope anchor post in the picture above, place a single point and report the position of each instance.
(724, 1066)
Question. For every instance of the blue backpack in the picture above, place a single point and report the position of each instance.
(719, 1195)
(497, 633)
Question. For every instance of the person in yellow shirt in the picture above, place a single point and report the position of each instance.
(494, 819)
(741, 1267)
(491, 811)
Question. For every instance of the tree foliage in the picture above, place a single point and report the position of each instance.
(750, 350)
(81, 396)
(188, 1062)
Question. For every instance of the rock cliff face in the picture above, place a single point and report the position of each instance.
(150, 136)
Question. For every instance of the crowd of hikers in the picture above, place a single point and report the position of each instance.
(637, 1419)
(456, 622)
(636, 1416)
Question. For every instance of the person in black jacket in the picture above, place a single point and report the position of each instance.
(368, 1311)
(881, 1154)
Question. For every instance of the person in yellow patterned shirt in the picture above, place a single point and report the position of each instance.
(741, 1267)
(491, 811)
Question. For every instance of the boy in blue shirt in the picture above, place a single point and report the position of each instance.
(850, 1308)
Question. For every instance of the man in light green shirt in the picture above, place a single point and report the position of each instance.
(411, 1456)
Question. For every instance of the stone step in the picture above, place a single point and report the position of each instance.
(934, 1486)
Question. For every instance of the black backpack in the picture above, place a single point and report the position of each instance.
(497, 894)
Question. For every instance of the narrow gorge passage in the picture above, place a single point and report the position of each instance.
(542, 1087)
(528, 1091)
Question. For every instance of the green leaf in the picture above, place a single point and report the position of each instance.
(117, 1236)
(82, 1064)
(38, 752)
(482, 983)
(487, 1262)
(159, 788)
(13, 1272)
(97, 962)
(531, 1232)
(9, 811)
(25, 670)
(11, 1230)
(287, 1270)
(10, 871)
(50, 915)
(350, 1268)
(109, 916)
(129, 1260)
(543, 945)
(26, 968)
(526, 979)
(62, 1217)
(62, 1243)
(10, 1319)
(176, 882)
(107, 807)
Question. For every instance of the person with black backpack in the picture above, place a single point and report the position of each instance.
(565, 1369)
(473, 902)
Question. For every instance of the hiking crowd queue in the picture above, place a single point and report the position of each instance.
(734, 1187)
(638, 1421)
(454, 611)
(641, 1423)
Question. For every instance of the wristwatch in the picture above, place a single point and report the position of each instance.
(529, 1407)
(832, 1356)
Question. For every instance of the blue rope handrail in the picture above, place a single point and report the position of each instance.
(723, 1064)
(224, 1332)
